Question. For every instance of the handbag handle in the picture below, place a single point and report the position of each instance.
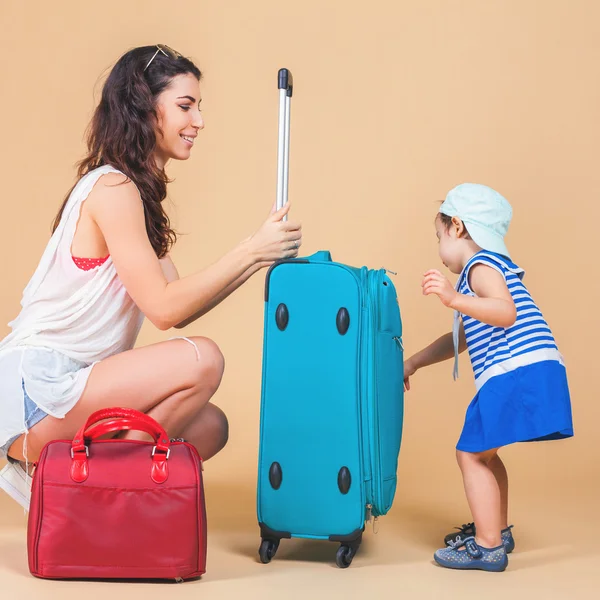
(162, 440)
(126, 419)
(101, 429)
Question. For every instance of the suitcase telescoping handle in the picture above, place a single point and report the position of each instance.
(285, 83)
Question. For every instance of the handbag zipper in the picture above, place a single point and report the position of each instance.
(172, 440)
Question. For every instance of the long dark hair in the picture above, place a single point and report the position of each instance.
(122, 133)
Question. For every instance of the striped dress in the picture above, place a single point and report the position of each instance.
(520, 377)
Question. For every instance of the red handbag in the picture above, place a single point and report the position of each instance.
(117, 509)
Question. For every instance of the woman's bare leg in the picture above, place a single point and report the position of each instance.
(208, 431)
(165, 380)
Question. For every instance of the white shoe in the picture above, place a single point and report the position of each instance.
(16, 483)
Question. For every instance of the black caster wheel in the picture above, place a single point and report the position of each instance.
(344, 556)
(267, 551)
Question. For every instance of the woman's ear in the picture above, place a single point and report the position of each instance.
(459, 227)
(158, 121)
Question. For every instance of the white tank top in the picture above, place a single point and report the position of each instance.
(70, 319)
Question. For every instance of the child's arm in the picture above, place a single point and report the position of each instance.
(492, 305)
(441, 349)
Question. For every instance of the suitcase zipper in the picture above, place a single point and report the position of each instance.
(376, 278)
(365, 405)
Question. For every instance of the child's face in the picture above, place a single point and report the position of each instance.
(451, 245)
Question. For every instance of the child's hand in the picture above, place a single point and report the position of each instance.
(435, 283)
(409, 371)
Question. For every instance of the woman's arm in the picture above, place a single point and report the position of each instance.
(170, 272)
(119, 213)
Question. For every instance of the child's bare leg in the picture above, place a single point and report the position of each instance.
(483, 495)
(499, 471)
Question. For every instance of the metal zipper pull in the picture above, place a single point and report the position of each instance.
(176, 440)
(178, 580)
(399, 342)
(369, 513)
(388, 271)
(375, 525)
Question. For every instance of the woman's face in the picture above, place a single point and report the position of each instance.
(179, 119)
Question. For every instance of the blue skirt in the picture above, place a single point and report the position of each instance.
(531, 403)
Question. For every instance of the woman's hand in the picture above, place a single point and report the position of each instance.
(435, 283)
(276, 239)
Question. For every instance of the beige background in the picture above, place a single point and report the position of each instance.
(395, 103)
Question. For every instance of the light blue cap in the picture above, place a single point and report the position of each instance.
(484, 211)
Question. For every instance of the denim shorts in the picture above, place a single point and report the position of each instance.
(33, 415)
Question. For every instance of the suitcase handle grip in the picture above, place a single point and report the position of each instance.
(285, 81)
(320, 256)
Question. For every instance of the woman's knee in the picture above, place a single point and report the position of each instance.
(214, 432)
(208, 368)
(219, 425)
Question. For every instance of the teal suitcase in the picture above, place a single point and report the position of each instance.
(332, 403)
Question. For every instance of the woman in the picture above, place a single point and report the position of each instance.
(107, 265)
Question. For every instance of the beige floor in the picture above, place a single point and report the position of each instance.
(558, 562)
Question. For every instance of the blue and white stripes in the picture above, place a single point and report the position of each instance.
(495, 350)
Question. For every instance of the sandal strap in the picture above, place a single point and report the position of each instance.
(472, 548)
